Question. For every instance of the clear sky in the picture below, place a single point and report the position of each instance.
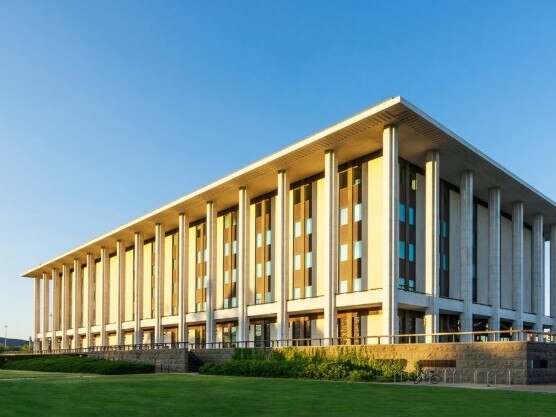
(109, 109)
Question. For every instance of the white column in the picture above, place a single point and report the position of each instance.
(211, 272)
(494, 258)
(45, 310)
(104, 295)
(37, 312)
(466, 254)
(432, 230)
(242, 267)
(390, 231)
(120, 307)
(281, 251)
(517, 263)
(76, 297)
(538, 270)
(553, 275)
(183, 252)
(90, 305)
(56, 308)
(65, 305)
(138, 278)
(330, 243)
(159, 281)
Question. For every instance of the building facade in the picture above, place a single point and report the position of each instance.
(383, 224)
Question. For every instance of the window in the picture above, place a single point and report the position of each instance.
(402, 249)
(343, 216)
(268, 237)
(259, 270)
(411, 254)
(297, 229)
(226, 277)
(226, 249)
(357, 212)
(297, 262)
(268, 268)
(343, 287)
(308, 226)
(357, 249)
(309, 260)
(259, 240)
(343, 252)
(343, 179)
(402, 212)
(411, 216)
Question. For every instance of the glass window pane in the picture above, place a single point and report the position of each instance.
(268, 237)
(402, 249)
(259, 270)
(402, 212)
(357, 212)
(343, 252)
(296, 293)
(343, 216)
(226, 249)
(297, 229)
(234, 275)
(411, 216)
(411, 254)
(234, 247)
(356, 175)
(343, 287)
(268, 268)
(297, 262)
(226, 277)
(308, 259)
(259, 240)
(308, 226)
(343, 179)
(357, 284)
(357, 249)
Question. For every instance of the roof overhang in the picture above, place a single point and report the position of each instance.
(355, 136)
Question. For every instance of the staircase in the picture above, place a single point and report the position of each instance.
(193, 362)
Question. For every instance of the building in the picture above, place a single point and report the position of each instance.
(386, 223)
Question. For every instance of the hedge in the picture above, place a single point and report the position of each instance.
(338, 364)
(76, 364)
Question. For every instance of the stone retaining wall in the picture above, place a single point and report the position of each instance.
(164, 360)
(470, 359)
(521, 362)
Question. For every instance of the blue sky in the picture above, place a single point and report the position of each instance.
(108, 109)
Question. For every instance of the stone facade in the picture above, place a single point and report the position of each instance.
(470, 361)
(520, 362)
(164, 360)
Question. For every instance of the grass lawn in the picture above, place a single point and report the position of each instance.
(192, 395)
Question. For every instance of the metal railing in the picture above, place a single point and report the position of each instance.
(417, 338)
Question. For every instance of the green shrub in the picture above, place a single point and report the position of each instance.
(76, 364)
(347, 363)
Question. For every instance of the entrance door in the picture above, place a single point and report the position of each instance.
(349, 329)
(262, 334)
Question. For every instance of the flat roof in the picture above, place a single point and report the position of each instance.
(352, 137)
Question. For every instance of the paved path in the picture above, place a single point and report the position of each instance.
(547, 388)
